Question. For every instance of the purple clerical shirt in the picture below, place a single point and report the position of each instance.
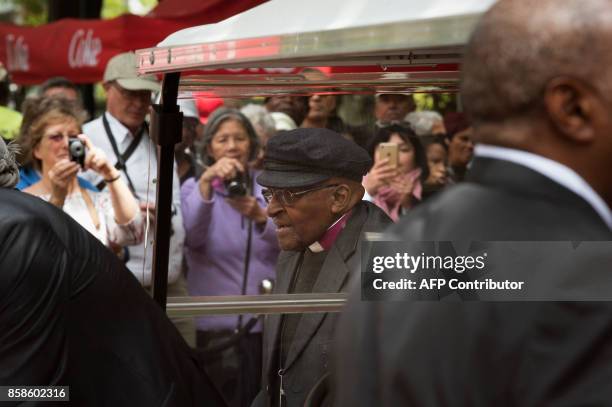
(215, 249)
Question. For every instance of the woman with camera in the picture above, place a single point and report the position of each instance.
(51, 141)
(231, 248)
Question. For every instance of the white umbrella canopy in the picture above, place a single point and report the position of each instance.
(284, 17)
(407, 45)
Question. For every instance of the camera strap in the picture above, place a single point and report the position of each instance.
(247, 255)
(122, 158)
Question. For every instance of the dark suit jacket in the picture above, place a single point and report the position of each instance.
(309, 355)
(484, 354)
(71, 314)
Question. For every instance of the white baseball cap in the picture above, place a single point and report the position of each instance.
(122, 69)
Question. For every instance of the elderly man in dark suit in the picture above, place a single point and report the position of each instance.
(314, 193)
(537, 81)
(73, 315)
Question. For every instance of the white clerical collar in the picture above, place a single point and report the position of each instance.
(554, 170)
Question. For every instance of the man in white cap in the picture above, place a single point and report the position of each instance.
(122, 133)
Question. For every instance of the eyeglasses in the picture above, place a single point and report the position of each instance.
(59, 137)
(400, 123)
(287, 197)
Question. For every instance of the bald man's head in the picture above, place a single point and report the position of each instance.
(537, 77)
(520, 45)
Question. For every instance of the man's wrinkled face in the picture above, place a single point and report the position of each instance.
(305, 220)
(130, 107)
(392, 107)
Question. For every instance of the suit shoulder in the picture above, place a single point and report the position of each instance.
(376, 219)
(474, 211)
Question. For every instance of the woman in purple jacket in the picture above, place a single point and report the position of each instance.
(230, 247)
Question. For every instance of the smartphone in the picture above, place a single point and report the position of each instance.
(390, 151)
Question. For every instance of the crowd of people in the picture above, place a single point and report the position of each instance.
(224, 237)
(282, 192)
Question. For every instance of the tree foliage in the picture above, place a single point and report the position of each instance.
(440, 102)
(36, 12)
(33, 12)
(115, 8)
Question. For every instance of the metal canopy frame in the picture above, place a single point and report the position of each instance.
(182, 307)
(430, 49)
(304, 83)
(386, 44)
(416, 55)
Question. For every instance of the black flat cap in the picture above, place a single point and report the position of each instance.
(304, 157)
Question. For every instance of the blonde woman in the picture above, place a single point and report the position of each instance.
(112, 216)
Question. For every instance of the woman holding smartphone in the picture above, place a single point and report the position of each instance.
(394, 182)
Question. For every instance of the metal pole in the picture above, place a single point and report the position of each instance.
(165, 132)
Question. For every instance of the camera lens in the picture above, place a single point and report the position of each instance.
(236, 187)
(77, 149)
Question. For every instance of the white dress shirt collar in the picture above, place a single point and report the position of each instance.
(554, 170)
(120, 132)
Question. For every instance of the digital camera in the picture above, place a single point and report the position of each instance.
(236, 186)
(76, 149)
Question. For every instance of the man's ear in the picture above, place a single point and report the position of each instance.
(341, 199)
(572, 107)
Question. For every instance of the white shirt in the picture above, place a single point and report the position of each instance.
(554, 170)
(108, 229)
(142, 169)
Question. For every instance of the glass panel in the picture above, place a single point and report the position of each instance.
(234, 360)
